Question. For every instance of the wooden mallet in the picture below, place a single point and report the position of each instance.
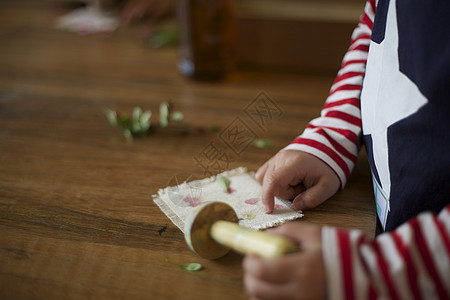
(212, 229)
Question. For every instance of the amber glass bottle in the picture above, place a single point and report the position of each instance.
(207, 37)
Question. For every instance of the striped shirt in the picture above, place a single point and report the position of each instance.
(391, 95)
(410, 262)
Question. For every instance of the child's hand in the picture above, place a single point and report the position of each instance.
(297, 175)
(293, 276)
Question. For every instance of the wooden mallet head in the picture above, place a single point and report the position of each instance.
(198, 225)
(212, 229)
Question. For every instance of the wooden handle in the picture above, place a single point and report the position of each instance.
(246, 241)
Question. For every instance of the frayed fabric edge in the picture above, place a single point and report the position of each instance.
(157, 199)
(200, 182)
(169, 213)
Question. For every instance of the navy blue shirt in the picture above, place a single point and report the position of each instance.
(405, 108)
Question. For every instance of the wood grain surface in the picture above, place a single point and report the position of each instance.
(77, 220)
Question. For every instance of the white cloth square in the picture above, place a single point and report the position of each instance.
(244, 196)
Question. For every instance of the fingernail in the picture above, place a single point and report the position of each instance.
(258, 177)
(298, 205)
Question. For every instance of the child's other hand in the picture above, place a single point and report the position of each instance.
(297, 175)
(294, 276)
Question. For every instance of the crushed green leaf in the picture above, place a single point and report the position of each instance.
(224, 182)
(250, 216)
(176, 116)
(139, 123)
(164, 114)
(136, 125)
(193, 267)
(262, 143)
(112, 117)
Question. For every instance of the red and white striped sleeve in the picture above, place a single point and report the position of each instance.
(335, 136)
(412, 262)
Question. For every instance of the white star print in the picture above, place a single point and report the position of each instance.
(387, 97)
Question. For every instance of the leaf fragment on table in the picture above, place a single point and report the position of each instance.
(176, 116)
(224, 182)
(138, 125)
(193, 267)
(112, 117)
(145, 120)
(164, 114)
(262, 143)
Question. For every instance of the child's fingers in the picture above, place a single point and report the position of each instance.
(261, 172)
(293, 276)
(260, 289)
(303, 234)
(280, 182)
(267, 278)
(315, 195)
(275, 270)
(286, 190)
(279, 278)
(272, 185)
(269, 188)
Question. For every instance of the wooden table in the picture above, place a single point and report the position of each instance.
(77, 218)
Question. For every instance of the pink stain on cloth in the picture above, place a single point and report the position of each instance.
(192, 201)
(245, 200)
(230, 191)
(252, 201)
(277, 206)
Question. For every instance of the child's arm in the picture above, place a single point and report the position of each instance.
(334, 137)
(412, 262)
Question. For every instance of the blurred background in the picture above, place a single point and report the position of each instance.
(295, 35)
(288, 35)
